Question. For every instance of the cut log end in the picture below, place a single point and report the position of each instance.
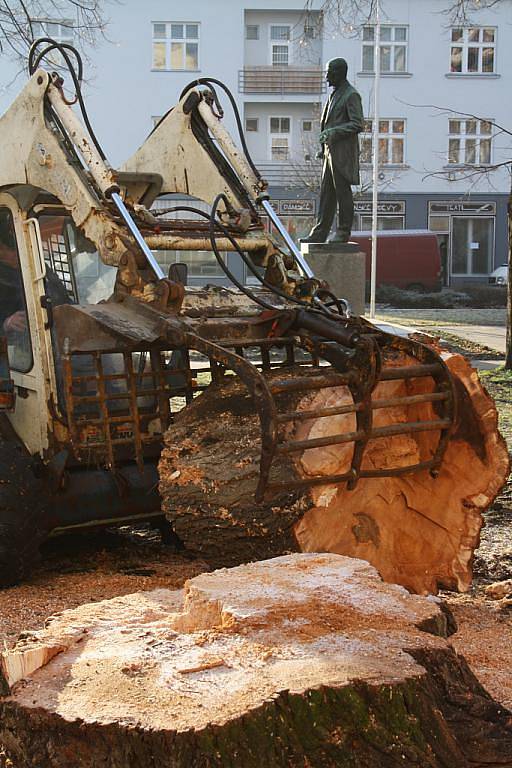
(418, 530)
(300, 660)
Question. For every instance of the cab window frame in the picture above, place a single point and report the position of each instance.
(23, 293)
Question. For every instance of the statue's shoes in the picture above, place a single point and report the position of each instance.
(311, 240)
(340, 237)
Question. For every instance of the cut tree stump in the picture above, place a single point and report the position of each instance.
(303, 660)
(418, 531)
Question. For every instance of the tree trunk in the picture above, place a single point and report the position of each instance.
(508, 357)
(300, 660)
(417, 530)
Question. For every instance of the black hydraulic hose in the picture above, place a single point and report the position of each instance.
(208, 82)
(247, 261)
(62, 48)
(52, 45)
(222, 263)
(320, 308)
(177, 208)
(218, 255)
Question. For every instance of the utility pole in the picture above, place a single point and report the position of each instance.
(375, 133)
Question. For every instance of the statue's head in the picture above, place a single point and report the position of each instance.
(336, 71)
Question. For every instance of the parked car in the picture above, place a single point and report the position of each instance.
(499, 276)
(408, 259)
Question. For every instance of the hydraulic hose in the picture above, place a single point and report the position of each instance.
(35, 58)
(208, 82)
(217, 226)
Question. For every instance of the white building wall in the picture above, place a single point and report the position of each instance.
(123, 93)
(302, 52)
(301, 143)
(427, 84)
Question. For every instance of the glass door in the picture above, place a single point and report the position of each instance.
(472, 245)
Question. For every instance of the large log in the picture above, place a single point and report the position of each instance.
(301, 660)
(419, 531)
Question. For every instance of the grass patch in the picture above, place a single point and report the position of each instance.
(473, 296)
(499, 385)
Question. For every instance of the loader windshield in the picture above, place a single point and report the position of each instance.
(74, 271)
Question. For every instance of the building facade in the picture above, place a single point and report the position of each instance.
(443, 97)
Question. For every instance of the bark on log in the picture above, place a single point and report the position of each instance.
(301, 660)
(418, 531)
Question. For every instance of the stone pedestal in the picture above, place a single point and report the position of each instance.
(343, 266)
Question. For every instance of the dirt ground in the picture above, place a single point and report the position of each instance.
(484, 633)
(90, 567)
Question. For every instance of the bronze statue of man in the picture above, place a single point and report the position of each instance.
(342, 121)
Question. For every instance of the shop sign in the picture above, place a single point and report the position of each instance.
(464, 207)
(393, 207)
(294, 207)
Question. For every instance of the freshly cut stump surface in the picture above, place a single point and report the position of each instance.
(417, 530)
(303, 660)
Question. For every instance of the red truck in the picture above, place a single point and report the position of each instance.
(408, 258)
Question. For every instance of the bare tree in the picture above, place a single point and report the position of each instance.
(22, 21)
(348, 15)
(460, 11)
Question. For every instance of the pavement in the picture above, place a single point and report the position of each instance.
(484, 327)
(491, 336)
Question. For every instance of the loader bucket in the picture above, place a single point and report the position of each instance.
(315, 361)
(121, 399)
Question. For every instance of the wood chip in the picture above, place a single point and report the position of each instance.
(212, 664)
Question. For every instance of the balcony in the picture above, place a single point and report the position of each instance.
(292, 175)
(281, 80)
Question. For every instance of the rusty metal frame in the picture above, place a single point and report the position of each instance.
(363, 371)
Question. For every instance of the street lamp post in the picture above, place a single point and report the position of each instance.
(375, 160)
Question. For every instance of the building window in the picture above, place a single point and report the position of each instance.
(473, 50)
(176, 46)
(279, 138)
(469, 142)
(280, 45)
(393, 49)
(60, 31)
(252, 32)
(391, 142)
(307, 126)
(251, 124)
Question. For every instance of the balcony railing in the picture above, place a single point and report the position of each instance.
(281, 80)
(292, 174)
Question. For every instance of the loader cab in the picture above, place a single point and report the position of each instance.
(44, 262)
(22, 324)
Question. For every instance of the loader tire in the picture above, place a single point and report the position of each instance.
(22, 527)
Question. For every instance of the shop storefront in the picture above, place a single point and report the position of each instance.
(390, 214)
(298, 215)
(467, 238)
(472, 233)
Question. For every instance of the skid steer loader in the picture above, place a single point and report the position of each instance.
(99, 348)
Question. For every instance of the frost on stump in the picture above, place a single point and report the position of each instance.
(305, 659)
